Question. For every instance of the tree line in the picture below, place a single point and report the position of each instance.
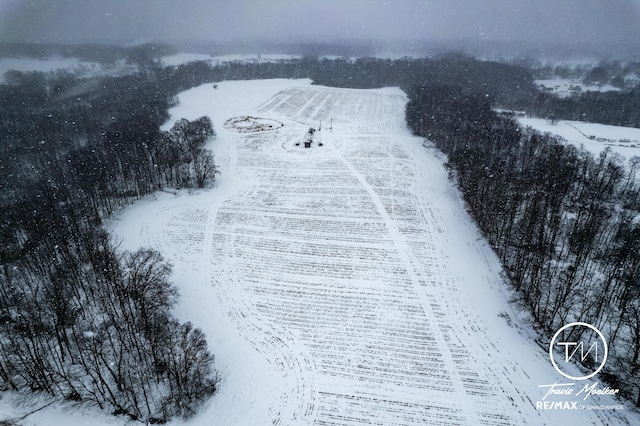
(614, 108)
(88, 323)
(506, 84)
(78, 318)
(563, 222)
(88, 52)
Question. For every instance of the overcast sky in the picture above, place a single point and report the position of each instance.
(73, 21)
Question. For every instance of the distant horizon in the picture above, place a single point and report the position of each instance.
(372, 47)
(608, 28)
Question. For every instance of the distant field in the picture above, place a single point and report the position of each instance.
(44, 65)
(593, 136)
(564, 87)
(81, 68)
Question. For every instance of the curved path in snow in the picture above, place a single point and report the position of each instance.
(342, 284)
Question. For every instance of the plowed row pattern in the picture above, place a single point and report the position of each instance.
(331, 262)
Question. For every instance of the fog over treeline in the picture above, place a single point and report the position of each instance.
(600, 27)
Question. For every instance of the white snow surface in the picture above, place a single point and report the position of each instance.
(342, 284)
(594, 137)
(184, 58)
(45, 65)
(563, 86)
(255, 57)
(80, 68)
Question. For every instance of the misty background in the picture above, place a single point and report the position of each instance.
(605, 27)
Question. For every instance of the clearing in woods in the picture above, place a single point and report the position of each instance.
(343, 284)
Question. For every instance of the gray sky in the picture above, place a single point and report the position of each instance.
(72, 21)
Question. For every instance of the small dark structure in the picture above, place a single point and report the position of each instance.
(308, 140)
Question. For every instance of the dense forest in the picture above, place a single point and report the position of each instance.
(81, 320)
(78, 318)
(564, 224)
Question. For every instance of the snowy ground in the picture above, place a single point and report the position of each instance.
(80, 68)
(564, 87)
(342, 284)
(94, 69)
(593, 136)
(183, 58)
(45, 65)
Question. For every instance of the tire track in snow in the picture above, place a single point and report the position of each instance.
(274, 343)
(409, 262)
(479, 363)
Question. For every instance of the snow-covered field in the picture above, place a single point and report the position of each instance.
(341, 284)
(593, 136)
(80, 68)
(183, 58)
(564, 87)
(121, 68)
(45, 65)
